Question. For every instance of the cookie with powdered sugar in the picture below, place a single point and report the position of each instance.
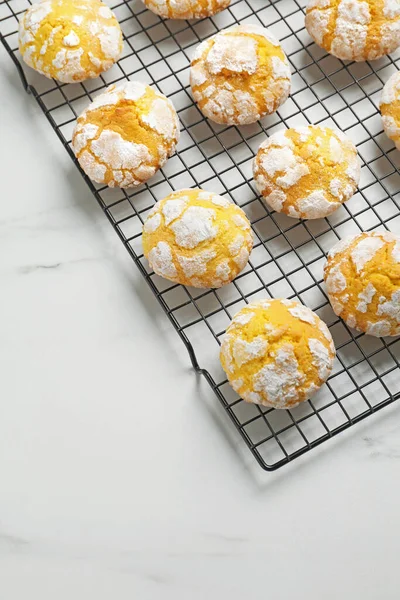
(277, 353)
(197, 238)
(240, 75)
(125, 135)
(362, 277)
(355, 29)
(390, 108)
(70, 40)
(306, 172)
(186, 9)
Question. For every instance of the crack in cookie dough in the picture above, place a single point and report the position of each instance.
(277, 353)
(390, 108)
(362, 277)
(355, 29)
(186, 9)
(125, 135)
(205, 239)
(240, 75)
(70, 40)
(306, 172)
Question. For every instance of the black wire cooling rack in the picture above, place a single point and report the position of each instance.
(288, 254)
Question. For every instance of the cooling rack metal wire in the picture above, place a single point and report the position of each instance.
(288, 254)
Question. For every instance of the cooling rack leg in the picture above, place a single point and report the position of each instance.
(16, 63)
(191, 352)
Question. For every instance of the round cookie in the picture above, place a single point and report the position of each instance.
(277, 353)
(390, 108)
(197, 238)
(239, 75)
(306, 172)
(186, 9)
(362, 276)
(70, 40)
(355, 29)
(125, 135)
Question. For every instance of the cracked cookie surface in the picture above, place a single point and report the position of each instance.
(240, 75)
(186, 9)
(362, 277)
(70, 40)
(125, 135)
(355, 29)
(197, 238)
(277, 353)
(390, 108)
(306, 172)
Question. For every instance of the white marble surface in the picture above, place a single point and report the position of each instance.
(120, 475)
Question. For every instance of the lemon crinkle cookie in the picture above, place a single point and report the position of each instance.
(239, 75)
(70, 40)
(355, 29)
(277, 353)
(362, 276)
(126, 134)
(306, 172)
(390, 108)
(186, 9)
(197, 238)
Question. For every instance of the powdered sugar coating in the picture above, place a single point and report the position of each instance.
(125, 135)
(159, 118)
(303, 313)
(242, 318)
(306, 172)
(322, 357)
(196, 225)
(390, 108)
(396, 252)
(362, 276)
(244, 351)
(186, 9)
(365, 297)
(341, 245)
(239, 75)
(152, 223)
(336, 281)
(379, 328)
(355, 29)
(233, 53)
(209, 237)
(196, 265)
(172, 209)
(160, 257)
(70, 40)
(277, 353)
(365, 250)
(278, 382)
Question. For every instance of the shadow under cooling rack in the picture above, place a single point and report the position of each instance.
(288, 255)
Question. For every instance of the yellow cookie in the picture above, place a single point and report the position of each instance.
(390, 108)
(186, 9)
(197, 238)
(306, 172)
(126, 134)
(355, 29)
(70, 40)
(362, 276)
(277, 353)
(239, 75)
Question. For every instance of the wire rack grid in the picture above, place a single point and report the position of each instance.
(288, 255)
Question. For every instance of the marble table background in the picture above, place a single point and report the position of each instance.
(121, 477)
